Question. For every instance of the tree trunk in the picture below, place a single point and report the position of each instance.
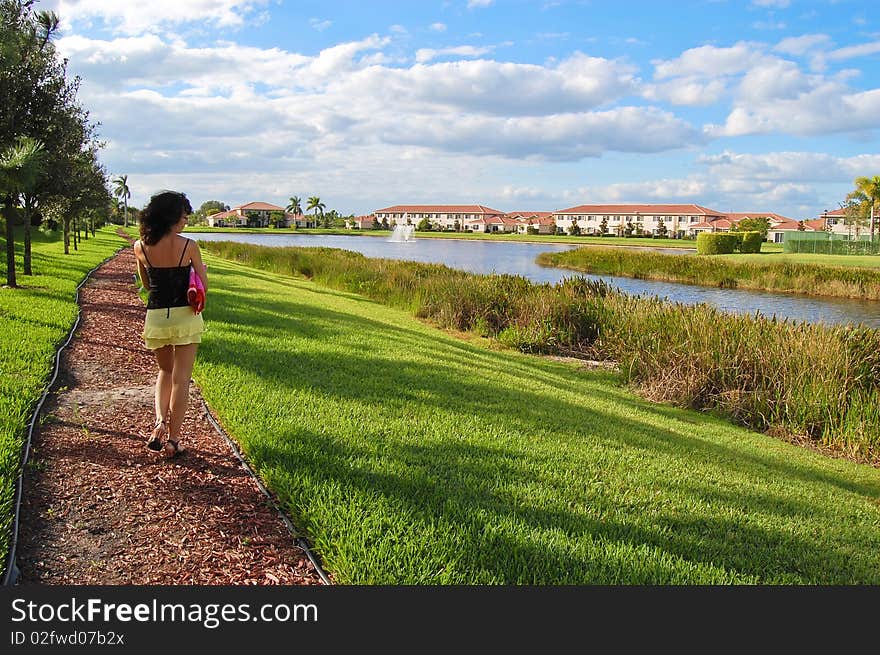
(75, 234)
(66, 221)
(26, 259)
(10, 241)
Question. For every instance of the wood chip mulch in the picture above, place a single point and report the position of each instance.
(99, 508)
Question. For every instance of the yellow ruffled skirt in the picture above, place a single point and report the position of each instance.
(177, 326)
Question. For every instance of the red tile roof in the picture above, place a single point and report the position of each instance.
(680, 210)
(226, 214)
(540, 218)
(257, 206)
(438, 209)
(738, 216)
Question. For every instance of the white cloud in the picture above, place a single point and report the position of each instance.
(437, 27)
(473, 4)
(576, 84)
(518, 193)
(769, 25)
(803, 45)
(772, 79)
(720, 195)
(788, 167)
(827, 107)
(861, 50)
(771, 94)
(710, 61)
(139, 17)
(424, 55)
(150, 61)
(780, 4)
(319, 24)
(557, 137)
(260, 119)
(687, 91)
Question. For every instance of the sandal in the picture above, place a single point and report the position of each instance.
(172, 448)
(155, 440)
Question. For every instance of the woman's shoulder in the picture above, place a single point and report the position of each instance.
(190, 243)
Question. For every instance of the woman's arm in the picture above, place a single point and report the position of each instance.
(198, 264)
(141, 269)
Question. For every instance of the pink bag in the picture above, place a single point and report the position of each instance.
(195, 294)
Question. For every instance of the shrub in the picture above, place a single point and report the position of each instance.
(750, 241)
(714, 243)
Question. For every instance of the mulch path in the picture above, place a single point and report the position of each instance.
(99, 508)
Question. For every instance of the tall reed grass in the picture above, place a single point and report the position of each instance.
(822, 382)
(723, 271)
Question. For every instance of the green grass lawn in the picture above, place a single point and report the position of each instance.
(768, 257)
(410, 456)
(34, 321)
(845, 276)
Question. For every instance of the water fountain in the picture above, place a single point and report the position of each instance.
(403, 233)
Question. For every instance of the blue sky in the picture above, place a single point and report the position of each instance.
(750, 105)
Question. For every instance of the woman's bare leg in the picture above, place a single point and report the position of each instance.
(184, 358)
(165, 359)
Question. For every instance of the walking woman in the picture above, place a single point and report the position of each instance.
(172, 330)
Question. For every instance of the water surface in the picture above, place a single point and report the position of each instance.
(518, 258)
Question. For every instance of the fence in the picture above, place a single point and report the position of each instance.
(824, 243)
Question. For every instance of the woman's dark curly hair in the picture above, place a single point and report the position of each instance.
(161, 214)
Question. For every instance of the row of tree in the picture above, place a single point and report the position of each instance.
(49, 167)
(323, 219)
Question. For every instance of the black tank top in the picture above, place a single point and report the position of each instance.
(168, 284)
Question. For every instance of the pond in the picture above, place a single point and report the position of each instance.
(518, 258)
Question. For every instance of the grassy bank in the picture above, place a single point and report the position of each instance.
(413, 457)
(817, 382)
(818, 275)
(34, 320)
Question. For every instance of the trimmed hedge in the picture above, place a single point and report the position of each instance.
(717, 243)
(750, 241)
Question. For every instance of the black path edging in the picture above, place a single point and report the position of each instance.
(298, 539)
(11, 571)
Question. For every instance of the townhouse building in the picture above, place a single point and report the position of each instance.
(257, 214)
(678, 220)
(441, 217)
(541, 221)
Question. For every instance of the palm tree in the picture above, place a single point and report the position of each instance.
(870, 186)
(316, 204)
(122, 191)
(20, 168)
(48, 22)
(295, 205)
